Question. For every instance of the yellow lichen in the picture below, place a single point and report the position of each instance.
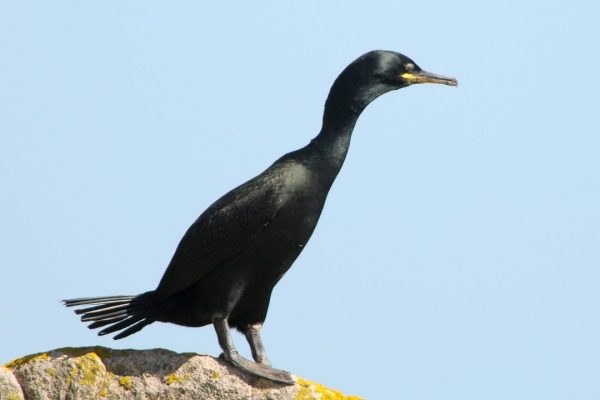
(90, 367)
(52, 372)
(215, 375)
(312, 390)
(13, 396)
(72, 374)
(105, 384)
(126, 382)
(86, 369)
(174, 378)
(171, 378)
(24, 360)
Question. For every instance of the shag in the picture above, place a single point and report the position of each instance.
(229, 260)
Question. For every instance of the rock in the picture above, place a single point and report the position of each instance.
(9, 387)
(101, 373)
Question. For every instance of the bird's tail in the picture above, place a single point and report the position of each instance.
(128, 314)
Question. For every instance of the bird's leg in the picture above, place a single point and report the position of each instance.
(225, 340)
(258, 350)
(230, 354)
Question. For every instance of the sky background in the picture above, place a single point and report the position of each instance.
(458, 253)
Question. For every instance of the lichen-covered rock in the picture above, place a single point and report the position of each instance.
(9, 387)
(101, 373)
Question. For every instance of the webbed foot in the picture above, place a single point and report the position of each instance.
(260, 370)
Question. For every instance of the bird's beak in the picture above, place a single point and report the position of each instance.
(427, 77)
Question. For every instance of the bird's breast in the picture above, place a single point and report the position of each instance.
(295, 221)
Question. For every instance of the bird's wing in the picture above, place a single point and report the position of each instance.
(221, 232)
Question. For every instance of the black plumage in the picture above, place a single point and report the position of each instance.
(229, 260)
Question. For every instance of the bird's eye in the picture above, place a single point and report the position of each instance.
(409, 67)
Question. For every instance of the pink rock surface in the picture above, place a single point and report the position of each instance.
(101, 373)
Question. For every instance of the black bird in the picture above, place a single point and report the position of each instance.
(229, 260)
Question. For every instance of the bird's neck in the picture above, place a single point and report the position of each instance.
(344, 104)
(333, 143)
(333, 140)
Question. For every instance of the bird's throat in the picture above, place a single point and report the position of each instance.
(334, 140)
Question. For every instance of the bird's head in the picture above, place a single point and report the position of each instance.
(396, 70)
(375, 73)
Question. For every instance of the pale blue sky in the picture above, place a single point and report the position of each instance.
(458, 253)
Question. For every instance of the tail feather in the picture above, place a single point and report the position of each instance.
(127, 313)
(99, 324)
(102, 308)
(105, 317)
(110, 314)
(121, 325)
(97, 300)
(133, 329)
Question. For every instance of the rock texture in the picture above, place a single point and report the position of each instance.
(101, 373)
